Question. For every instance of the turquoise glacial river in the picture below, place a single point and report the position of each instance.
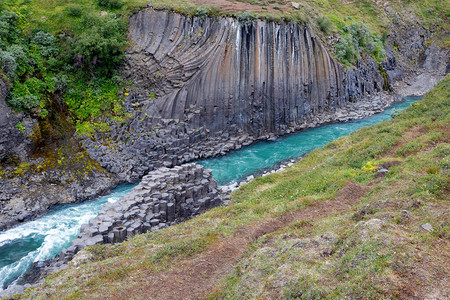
(265, 155)
(46, 236)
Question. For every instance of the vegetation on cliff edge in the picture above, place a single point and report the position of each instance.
(67, 55)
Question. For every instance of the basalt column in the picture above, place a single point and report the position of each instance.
(216, 72)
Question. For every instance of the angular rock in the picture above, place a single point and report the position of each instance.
(427, 227)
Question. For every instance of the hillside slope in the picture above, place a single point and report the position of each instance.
(329, 226)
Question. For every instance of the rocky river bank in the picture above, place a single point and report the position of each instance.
(163, 197)
(130, 151)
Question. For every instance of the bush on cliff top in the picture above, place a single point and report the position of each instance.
(110, 4)
(324, 24)
(356, 39)
(100, 47)
(78, 59)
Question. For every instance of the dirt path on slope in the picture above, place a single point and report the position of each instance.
(196, 277)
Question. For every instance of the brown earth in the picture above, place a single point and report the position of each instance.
(236, 6)
(197, 277)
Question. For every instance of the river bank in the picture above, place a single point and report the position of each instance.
(331, 213)
(294, 144)
(20, 205)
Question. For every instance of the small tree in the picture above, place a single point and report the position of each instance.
(324, 24)
(8, 30)
(47, 43)
(101, 45)
(8, 64)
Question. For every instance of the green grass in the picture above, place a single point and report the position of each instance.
(362, 259)
(57, 16)
(365, 261)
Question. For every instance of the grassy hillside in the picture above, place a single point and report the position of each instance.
(330, 226)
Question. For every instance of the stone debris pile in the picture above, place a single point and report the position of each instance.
(163, 198)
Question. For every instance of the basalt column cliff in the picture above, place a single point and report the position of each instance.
(220, 72)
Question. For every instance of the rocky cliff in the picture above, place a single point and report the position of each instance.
(202, 86)
(31, 181)
(258, 75)
(13, 142)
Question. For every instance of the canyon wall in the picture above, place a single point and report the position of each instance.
(12, 141)
(203, 86)
(218, 72)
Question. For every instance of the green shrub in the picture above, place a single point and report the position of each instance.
(110, 4)
(247, 18)
(345, 51)
(27, 95)
(4, 29)
(8, 31)
(201, 12)
(26, 102)
(102, 45)
(324, 24)
(356, 39)
(19, 54)
(74, 11)
(47, 43)
(60, 83)
(8, 64)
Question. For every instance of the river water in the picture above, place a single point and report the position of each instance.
(265, 155)
(45, 237)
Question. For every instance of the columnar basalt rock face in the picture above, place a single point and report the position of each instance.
(205, 86)
(217, 72)
(164, 197)
(144, 143)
